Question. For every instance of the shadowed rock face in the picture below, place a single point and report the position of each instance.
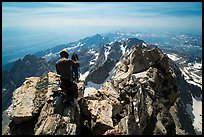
(143, 97)
(133, 41)
(101, 73)
(30, 65)
(7, 89)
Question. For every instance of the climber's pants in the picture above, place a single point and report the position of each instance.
(70, 87)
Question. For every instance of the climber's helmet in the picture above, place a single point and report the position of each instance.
(64, 53)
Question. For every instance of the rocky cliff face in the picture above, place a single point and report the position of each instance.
(7, 89)
(141, 98)
(109, 55)
(31, 111)
(30, 65)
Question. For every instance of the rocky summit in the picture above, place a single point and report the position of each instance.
(142, 97)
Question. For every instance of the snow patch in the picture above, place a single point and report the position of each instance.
(191, 72)
(192, 82)
(91, 51)
(73, 47)
(183, 62)
(197, 66)
(111, 43)
(107, 52)
(49, 56)
(118, 63)
(174, 57)
(92, 62)
(83, 76)
(191, 77)
(186, 77)
(144, 44)
(141, 74)
(123, 49)
(94, 85)
(89, 91)
(195, 112)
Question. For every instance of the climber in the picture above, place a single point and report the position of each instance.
(76, 67)
(64, 69)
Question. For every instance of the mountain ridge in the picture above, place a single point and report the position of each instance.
(143, 96)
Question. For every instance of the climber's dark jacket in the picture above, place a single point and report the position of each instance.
(64, 68)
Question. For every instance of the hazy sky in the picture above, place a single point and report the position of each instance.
(97, 16)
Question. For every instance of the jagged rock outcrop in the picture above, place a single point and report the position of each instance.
(25, 104)
(134, 41)
(142, 98)
(99, 107)
(30, 65)
(32, 112)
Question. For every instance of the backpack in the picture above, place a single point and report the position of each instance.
(57, 103)
(75, 57)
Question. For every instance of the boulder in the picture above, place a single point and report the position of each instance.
(24, 105)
